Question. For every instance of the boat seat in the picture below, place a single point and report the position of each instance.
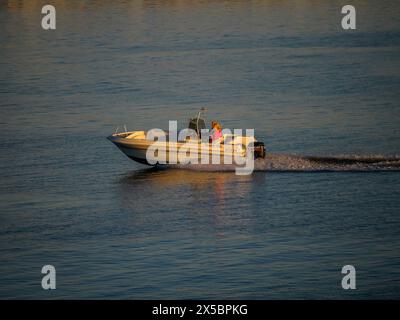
(137, 135)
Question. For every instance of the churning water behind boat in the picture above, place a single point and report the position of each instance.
(291, 162)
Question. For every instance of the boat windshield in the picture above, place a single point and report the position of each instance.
(197, 124)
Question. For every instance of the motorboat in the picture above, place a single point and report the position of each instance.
(191, 145)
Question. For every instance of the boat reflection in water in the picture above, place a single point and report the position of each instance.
(207, 199)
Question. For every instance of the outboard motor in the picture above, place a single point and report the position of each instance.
(259, 150)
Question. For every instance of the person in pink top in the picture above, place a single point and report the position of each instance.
(216, 131)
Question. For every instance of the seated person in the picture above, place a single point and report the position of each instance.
(216, 131)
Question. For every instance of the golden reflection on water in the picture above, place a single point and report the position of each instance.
(196, 195)
(198, 180)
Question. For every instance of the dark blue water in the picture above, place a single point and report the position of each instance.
(114, 229)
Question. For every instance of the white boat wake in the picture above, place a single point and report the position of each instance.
(292, 162)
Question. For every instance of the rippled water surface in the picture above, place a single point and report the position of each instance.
(325, 102)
